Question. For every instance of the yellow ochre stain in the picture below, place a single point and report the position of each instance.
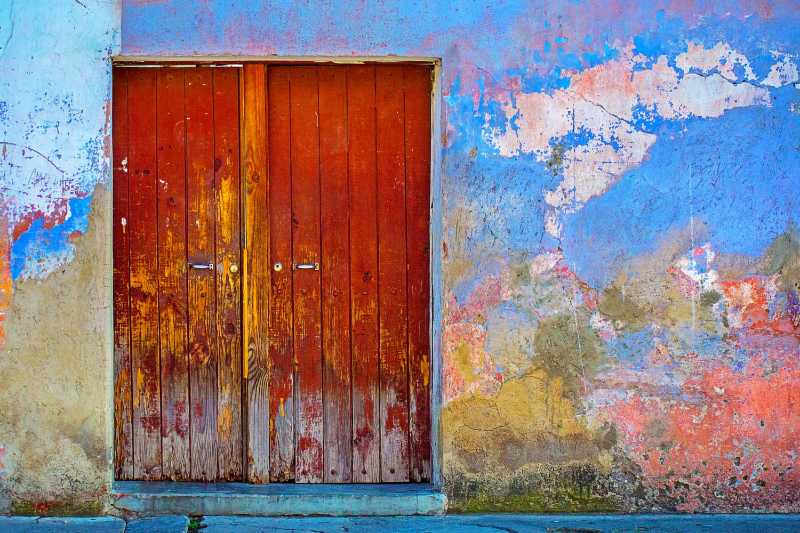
(225, 420)
(426, 371)
(139, 385)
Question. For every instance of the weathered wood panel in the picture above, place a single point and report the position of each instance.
(281, 384)
(200, 230)
(337, 370)
(172, 297)
(363, 272)
(306, 282)
(123, 401)
(392, 297)
(335, 274)
(256, 287)
(143, 228)
(417, 83)
(228, 274)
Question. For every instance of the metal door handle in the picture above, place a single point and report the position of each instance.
(306, 266)
(202, 266)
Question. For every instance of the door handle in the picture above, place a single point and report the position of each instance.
(202, 266)
(306, 266)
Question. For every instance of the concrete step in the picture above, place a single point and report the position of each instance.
(277, 499)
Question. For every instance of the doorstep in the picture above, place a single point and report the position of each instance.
(276, 499)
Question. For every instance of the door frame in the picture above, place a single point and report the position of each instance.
(436, 237)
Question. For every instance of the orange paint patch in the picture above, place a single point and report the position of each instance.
(5, 276)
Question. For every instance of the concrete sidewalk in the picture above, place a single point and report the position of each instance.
(454, 523)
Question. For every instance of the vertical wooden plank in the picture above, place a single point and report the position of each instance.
(201, 283)
(417, 82)
(255, 291)
(171, 139)
(123, 402)
(281, 382)
(306, 282)
(335, 274)
(229, 318)
(390, 149)
(142, 227)
(363, 272)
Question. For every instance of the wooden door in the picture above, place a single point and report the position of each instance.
(177, 311)
(271, 318)
(336, 284)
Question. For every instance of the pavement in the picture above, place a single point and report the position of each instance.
(510, 523)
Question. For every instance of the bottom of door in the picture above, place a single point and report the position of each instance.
(277, 499)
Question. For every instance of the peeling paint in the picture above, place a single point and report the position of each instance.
(620, 253)
(54, 233)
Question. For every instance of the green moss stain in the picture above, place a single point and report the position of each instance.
(782, 257)
(57, 508)
(557, 501)
(568, 348)
(520, 272)
(623, 311)
(540, 488)
(709, 298)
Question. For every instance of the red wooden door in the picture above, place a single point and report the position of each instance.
(347, 216)
(273, 326)
(177, 318)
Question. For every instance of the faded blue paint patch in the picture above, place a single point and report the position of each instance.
(632, 348)
(693, 173)
(39, 249)
(53, 122)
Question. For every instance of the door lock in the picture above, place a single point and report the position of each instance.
(277, 267)
(306, 266)
(202, 266)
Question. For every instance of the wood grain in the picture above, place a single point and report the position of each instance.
(417, 82)
(228, 274)
(143, 228)
(256, 286)
(335, 274)
(123, 401)
(335, 169)
(200, 230)
(281, 384)
(392, 298)
(306, 283)
(363, 272)
(172, 297)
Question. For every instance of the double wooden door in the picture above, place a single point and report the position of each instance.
(271, 273)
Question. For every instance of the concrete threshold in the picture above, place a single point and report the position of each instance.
(147, 498)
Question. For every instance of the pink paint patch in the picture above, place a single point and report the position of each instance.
(484, 297)
(731, 438)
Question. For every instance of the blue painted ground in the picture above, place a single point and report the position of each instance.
(454, 523)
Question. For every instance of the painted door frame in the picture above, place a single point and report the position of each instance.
(436, 236)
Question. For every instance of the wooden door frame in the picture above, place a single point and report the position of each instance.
(436, 295)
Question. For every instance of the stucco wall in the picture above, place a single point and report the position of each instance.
(620, 253)
(55, 242)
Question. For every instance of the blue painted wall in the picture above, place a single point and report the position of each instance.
(620, 255)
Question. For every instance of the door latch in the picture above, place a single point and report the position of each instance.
(202, 266)
(306, 266)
